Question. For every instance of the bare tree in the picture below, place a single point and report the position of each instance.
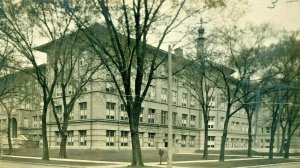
(17, 94)
(128, 26)
(199, 79)
(21, 22)
(238, 51)
(283, 67)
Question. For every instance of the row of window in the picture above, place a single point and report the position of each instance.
(82, 137)
(82, 111)
(164, 97)
(236, 143)
(234, 127)
(124, 138)
(70, 90)
(111, 113)
(175, 122)
(239, 127)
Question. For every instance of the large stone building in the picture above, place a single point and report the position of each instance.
(99, 121)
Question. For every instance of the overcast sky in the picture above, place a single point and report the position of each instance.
(285, 14)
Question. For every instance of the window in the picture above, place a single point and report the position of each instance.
(221, 122)
(57, 138)
(211, 142)
(82, 62)
(141, 137)
(70, 138)
(110, 137)
(164, 95)
(192, 101)
(71, 116)
(192, 141)
(83, 108)
(28, 104)
(151, 114)
(268, 130)
(123, 114)
(124, 138)
(184, 99)
(82, 137)
(174, 80)
(232, 126)
(151, 93)
(174, 97)
(36, 138)
(237, 126)
(141, 114)
(183, 121)
(164, 117)
(110, 110)
(58, 110)
(174, 118)
(71, 90)
(212, 102)
(151, 137)
(85, 89)
(211, 122)
(40, 118)
(25, 122)
(211, 138)
(193, 120)
(109, 87)
(183, 140)
(267, 142)
(58, 90)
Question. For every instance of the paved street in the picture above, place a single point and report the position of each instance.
(9, 164)
(282, 165)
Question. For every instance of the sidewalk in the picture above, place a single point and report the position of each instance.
(126, 164)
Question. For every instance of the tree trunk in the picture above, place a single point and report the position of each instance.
(282, 142)
(272, 138)
(63, 133)
(63, 146)
(288, 143)
(44, 134)
(205, 147)
(250, 140)
(223, 142)
(8, 135)
(287, 147)
(137, 159)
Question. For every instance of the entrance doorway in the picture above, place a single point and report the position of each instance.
(14, 128)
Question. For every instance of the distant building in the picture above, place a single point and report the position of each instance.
(24, 108)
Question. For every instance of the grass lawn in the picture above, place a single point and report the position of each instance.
(53, 162)
(114, 155)
(148, 156)
(125, 156)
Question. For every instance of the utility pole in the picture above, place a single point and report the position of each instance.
(170, 125)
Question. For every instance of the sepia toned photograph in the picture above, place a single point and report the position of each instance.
(149, 83)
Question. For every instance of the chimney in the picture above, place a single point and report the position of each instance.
(178, 52)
